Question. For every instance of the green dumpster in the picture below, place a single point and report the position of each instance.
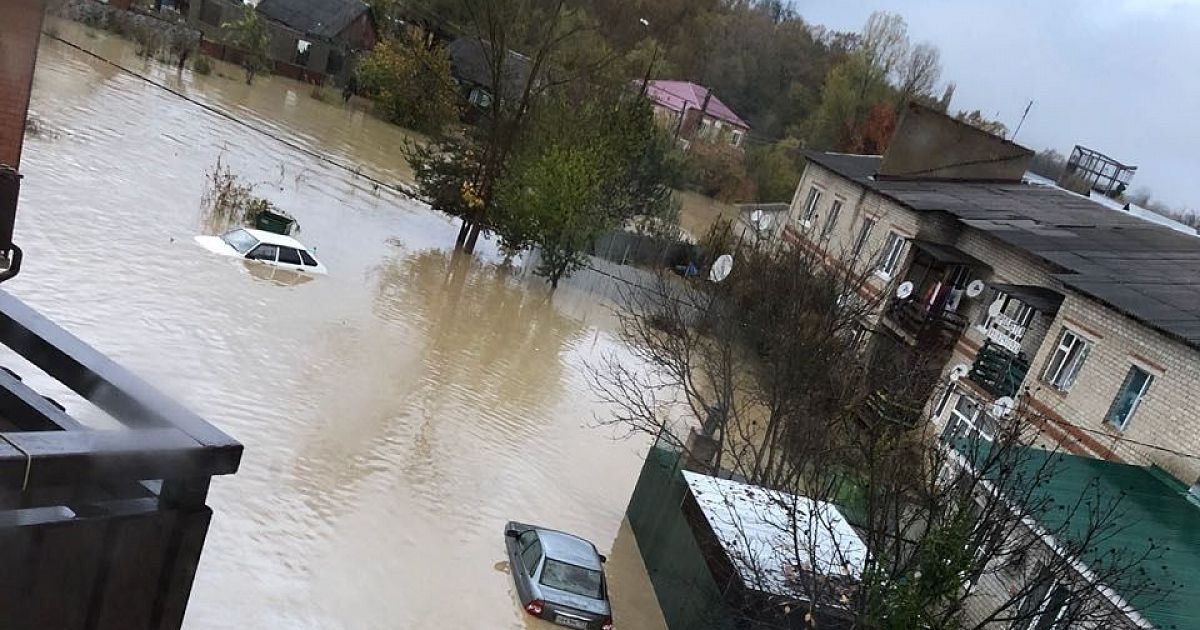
(274, 222)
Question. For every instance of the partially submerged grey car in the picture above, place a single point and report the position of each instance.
(559, 577)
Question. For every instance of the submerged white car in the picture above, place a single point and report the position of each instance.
(265, 247)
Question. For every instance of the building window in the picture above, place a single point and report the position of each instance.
(706, 129)
(1129, 398)
(968, 420)
(864, 235)
(302, 52)
(831, 220)
(1066, 361)
(810, 206)
(735, 139)
(940, 408)
(889, 259)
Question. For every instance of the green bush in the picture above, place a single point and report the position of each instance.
(410, 82)
(202, 65)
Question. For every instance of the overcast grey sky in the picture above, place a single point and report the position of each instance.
(1119, 76)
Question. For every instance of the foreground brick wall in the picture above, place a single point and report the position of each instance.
(20, 29)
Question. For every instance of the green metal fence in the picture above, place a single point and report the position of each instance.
(689, 597)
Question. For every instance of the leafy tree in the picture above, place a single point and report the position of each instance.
(249, 35)
(410, 81)
(717, 170)
(775, 169)
(588, 168)
(1048, 163)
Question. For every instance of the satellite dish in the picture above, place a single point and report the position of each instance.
(1003, 406)
(959, 371)
(975, 289)
(996, 307)
(721, 268)
(904, 290)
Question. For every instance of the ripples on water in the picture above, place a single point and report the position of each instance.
(395, 413)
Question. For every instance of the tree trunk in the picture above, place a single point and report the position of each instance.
(462, 234)
(469, 247)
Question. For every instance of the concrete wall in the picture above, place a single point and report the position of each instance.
(1075, 419)
(929, 144)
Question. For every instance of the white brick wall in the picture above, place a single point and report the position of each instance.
(1169, 416)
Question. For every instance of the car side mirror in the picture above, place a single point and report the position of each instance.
(512, 533)
(603, 558)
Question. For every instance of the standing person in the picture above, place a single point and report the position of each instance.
(350, 88)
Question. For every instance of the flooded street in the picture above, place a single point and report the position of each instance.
(395, 413)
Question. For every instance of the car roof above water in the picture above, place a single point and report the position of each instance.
(570, 549)
(272, 238)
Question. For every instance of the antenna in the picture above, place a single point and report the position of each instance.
(1018, 130)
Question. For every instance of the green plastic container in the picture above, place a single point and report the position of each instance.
(274, 222)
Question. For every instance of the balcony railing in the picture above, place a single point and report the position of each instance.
(932, 328)
(999, 370)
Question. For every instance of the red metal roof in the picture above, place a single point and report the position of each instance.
(680, 95)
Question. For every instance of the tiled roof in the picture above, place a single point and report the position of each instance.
(678, 95)
(1146, 270)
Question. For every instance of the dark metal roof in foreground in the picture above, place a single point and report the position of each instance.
(1150, 272)
(323, 18)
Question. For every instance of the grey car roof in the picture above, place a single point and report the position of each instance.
(1145, 270)
(570, 549)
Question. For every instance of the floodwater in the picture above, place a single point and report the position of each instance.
(395, 413)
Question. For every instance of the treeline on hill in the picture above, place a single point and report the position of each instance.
(799, 85)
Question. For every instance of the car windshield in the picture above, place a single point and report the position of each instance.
(572, 579)
(240, 240)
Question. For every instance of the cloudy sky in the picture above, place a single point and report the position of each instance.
(1119, 76)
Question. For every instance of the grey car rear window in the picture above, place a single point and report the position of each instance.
(572, 579)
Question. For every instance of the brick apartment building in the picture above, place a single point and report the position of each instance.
(1090, 315)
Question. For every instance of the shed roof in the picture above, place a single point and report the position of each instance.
(470, 60)
(682, 95)
(756, 532)
(1152, 508)
(323, 18)
(1146, 270)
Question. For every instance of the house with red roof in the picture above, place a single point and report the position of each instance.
(693, 113)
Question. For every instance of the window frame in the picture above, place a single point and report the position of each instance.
(864, 235)
(1067, 370)
(835, 209)
(890, 256)
(735, 138)
(960, 423)
(305, 257)
(811, 201)
(303, 53)
(1135, 404)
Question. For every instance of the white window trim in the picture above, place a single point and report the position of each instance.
(735, 139)
(835, 209)
(812, 201)
(889, 261)
(958, 417)
(1062, 380)
(1137, 400)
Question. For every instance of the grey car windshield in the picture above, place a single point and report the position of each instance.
(572, 579)
(240, 240)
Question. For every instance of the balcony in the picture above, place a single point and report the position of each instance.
(931, 328)
(998, 370)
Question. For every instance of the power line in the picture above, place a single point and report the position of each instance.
(228, 116)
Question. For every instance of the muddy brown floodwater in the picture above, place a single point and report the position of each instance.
(395, 414)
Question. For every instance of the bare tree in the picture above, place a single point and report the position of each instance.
(920, 72)
(766, 377)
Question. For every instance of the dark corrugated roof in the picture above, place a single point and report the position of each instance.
(1148, 271)
(470, 60)
(323, 18)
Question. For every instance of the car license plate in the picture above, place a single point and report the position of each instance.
(569, 622)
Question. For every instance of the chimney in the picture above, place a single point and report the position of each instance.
(928, 144)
